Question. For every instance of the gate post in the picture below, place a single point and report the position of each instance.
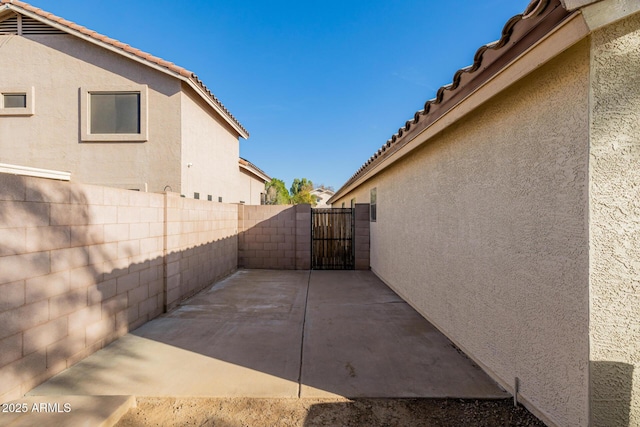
(361, 237)
(303, 237)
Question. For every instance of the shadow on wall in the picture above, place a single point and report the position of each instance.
(81, 266)
(56, 303)
(274, 237)
(611, 388)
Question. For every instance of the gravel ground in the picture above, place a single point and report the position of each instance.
(244, 412)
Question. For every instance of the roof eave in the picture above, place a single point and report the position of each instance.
(256, 173)
(561, 37)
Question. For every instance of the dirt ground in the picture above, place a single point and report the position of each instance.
(244, 412)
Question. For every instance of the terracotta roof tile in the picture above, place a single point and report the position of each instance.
(126, 48)
(536, 12)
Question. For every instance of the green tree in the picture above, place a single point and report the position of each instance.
(301, 185)
(301, 192)
(276, 193)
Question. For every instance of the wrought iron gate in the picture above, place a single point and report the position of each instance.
(332, 233)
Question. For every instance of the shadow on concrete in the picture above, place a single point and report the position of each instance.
(259, 333)
(611, 390)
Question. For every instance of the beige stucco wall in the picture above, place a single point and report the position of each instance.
(615, 224)
(211, 149)
(57, 66)
(250, 188)
(484, 230)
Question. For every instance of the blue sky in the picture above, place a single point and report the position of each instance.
(320, 86)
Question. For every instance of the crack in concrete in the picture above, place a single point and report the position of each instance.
(304, 321)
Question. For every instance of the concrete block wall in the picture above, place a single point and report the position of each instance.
(198, 232)
(274, 237)
(82, 265)
(362, 238)
(79, 266)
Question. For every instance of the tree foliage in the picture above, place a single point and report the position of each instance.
(276, 193)
(301, 185)
(301, 192)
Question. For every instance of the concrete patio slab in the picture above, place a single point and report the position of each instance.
(362, 340)
(266, 333)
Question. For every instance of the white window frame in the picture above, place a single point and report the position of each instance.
(29, 110)
(85, 114)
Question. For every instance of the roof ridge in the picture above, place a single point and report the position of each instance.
(128, 49)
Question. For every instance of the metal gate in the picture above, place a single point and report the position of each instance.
(332, 233)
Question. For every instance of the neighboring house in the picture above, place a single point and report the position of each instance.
(253, 180)
(322, 195)
(507, 211)
(78, 101)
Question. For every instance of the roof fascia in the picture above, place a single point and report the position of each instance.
(606, 12)
(254, 172)
(571, 5)
(565, 35)
(213, 105)
(135, 58)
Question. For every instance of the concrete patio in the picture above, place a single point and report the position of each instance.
(269, 333)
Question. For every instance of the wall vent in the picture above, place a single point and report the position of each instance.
(31, 26)
(9, 26)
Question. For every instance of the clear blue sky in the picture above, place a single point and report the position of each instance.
(319, 85)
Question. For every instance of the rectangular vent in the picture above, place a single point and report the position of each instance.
(31, 26)
(9, 26)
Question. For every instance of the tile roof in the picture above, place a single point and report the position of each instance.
(519, 33)
(130, 50)
(253, 168)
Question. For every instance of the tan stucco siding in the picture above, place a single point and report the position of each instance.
(212, 149)
(58, 66)
(615, 224)
(484, 230)
(250, 189)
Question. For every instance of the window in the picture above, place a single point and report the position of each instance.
(196, 196)
(373, 203)
(16, 102)
(114, 113)
(343, 205)
(353, 203)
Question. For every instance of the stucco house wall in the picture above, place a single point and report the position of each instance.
(188, 142)
(516, 228)
(484, 231)
(210, 152)
(57, 66)
(614, 201)
(251, 188)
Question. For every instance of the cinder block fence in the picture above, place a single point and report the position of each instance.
(82, 265)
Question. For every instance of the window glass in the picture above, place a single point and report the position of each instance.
(17, 100)
(374, 201)
(115, 112)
